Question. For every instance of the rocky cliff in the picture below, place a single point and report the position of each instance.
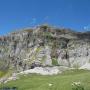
(44, 46)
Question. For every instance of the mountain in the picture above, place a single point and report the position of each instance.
(44, 46)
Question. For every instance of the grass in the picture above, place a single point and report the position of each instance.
(2, 73)
(6, 73)
(59, 82)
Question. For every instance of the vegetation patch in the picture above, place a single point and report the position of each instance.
(2, 73)
(55, 82)
(54, 62)
(43, 58)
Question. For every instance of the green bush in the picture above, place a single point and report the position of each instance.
(54, 62)
(77, 86)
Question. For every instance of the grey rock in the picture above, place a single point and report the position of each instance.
(45, 46)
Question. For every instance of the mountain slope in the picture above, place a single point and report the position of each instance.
(44, 46)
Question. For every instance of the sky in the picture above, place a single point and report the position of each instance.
(19, 14)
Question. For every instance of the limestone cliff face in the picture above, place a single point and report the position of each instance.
(44, 46)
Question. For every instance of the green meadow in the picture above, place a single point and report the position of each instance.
(59, 82)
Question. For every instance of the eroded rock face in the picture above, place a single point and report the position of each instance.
(44, 46)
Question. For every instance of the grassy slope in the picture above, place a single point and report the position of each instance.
(60, 82)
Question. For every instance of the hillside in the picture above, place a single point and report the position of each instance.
(44, 46)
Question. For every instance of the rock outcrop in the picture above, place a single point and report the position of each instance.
(44, 46)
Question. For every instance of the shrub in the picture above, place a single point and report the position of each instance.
(54, 62)
(77, 86)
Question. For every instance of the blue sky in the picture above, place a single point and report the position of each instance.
(18, 14)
